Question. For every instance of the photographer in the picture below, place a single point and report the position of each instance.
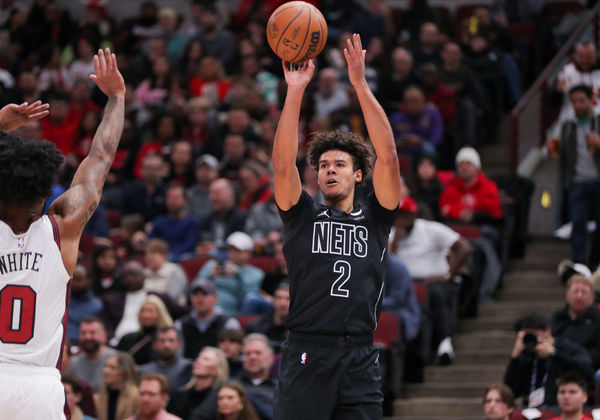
(538, 359)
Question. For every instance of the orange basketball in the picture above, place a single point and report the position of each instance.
(296, 31)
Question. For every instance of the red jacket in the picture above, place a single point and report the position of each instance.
(481, 197)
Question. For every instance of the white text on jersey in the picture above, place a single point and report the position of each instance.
(339, 239)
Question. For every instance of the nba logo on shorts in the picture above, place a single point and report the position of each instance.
(21, 242)
(303, 358)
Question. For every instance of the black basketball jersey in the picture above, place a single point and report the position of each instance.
(336, 264)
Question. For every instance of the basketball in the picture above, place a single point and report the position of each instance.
(296, 31)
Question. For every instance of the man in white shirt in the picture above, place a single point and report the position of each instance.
(433, 254)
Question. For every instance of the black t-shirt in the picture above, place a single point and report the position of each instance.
(336, 264)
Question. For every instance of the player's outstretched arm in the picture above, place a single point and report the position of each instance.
(386, 173)
(74, 208)
(13, 116)
(286, 179)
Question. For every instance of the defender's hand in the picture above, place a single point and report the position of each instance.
(355, 57)
(298, 75)
(107, 76)
(13, 116)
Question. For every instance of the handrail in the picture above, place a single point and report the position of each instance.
(556, 61)
(528, 132)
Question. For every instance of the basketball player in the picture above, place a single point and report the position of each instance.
(335, 255)
(38, 253)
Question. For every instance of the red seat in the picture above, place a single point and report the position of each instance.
(420, 293)
(114, 218)
(523, 31)
(387, 332)
(86, 245)
(387, 337)
(405, 163)
(191, 266)
(244, 320)
(264, 262)
(556, 10)
(466, 231)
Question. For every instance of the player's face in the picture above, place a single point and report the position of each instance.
(494, 407)
(112, 373)
(571, 398)
(151, 400)
(229, 401)
(336, 175)
(257, 358)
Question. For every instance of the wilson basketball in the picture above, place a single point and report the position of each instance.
(296, 31)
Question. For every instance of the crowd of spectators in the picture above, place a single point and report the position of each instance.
(185, 246)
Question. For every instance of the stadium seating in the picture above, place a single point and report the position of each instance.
(388, 338)
(191, 266)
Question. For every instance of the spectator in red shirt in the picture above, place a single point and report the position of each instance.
(436, 93)
(57, 128)
(571, 396)
(471, 197)
(254, 184)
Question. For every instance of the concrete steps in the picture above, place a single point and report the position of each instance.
(483, 344)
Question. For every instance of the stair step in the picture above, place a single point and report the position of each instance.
(482, 357)
(530, 278)
(519, 309)
(537, 262)
(526, 294)
(466, 373)
(484, 340)
(436, 407)
(487, 323)
(453, 389)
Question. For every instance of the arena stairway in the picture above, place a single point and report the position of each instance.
(483, 344)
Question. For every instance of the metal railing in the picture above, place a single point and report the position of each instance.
(531, 117)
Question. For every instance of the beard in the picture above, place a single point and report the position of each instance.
(90, 346)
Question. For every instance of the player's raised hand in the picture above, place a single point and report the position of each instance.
(298, 75)
(107, 75)
(13, 116)
(355, 57)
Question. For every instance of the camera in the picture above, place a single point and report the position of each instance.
(530, 341)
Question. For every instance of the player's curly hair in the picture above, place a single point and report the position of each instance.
(28, 169)
(353, 144)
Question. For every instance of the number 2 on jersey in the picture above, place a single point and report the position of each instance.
(344, 269)
(17, 313)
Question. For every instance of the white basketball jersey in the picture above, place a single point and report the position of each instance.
(33, 295)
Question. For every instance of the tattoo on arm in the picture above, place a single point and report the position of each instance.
(86, 188)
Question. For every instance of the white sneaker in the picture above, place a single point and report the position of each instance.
(445, 351)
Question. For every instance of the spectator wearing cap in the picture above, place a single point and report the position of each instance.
(434, 254)
(233, 277)
(177, 228)
(207, 170)
(579, 319)
(471, 197)
(202, 325)
(271, 323)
